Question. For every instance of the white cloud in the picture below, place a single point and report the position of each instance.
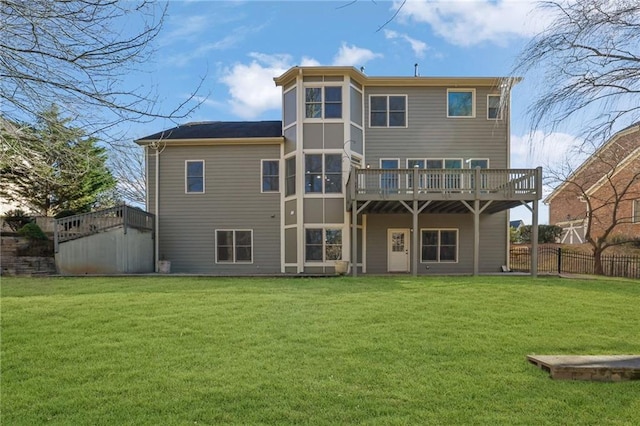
(470, 22)
(251, 86)
(354, 56)
(418, 46)
(541, 149)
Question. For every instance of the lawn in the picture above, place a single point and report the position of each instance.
(320, 351)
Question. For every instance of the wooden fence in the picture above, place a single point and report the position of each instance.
(552, 259)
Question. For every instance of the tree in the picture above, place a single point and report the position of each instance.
(52, 166)
(547, 234)
(600, 193)
(589, 61)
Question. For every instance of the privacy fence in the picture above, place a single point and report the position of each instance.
(553, 259)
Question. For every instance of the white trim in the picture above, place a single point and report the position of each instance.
(323, 173)
(322, 85)
(234, 261)
(473, 102)
(324, 227)
(407, 242)
(277, 160)
(186, 176)
(388, 111)
(439, 245)
(500, 114)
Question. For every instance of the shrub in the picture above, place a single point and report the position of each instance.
(546, 233)
(32, 231)
(16, 219)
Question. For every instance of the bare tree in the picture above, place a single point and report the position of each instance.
(599, 194)
(588, 59)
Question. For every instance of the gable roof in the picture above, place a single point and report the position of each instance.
(217, 130)
(516, 223)
(635, 127)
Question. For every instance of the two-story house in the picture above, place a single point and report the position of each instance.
(602, 195)
(400, 174)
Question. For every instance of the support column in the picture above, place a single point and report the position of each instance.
(414, 241)
(534, 240)
(354, 238)
(476, 237)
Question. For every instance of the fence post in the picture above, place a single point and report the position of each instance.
(559, 260)
(125, 217)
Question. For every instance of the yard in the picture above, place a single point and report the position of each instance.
(375, 350)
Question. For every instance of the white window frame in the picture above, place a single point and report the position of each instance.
(323, 101)
(440, 245)
(287, 161)
(323, 174)
(234, 261)
(388, 111)
(494, 95)
(483, 178)
(473, 103)
(421, 184)
(186, 177)
(324, 261)
(262, 176)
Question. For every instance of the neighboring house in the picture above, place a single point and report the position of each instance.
(614, 169)
(516, 225)
(406, 174)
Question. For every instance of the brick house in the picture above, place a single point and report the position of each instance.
(607, 184)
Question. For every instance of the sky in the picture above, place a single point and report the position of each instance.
(235, 48)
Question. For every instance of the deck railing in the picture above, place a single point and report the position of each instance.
(507, 183)
(81, 225)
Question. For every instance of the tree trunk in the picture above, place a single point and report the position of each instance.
(598, 269)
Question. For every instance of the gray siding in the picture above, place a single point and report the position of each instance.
(430, 134)
(289, 106)
(493, 237)
(232, 200)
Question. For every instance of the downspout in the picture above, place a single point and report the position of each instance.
(157, 210)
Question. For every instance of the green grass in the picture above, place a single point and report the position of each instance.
(375, 350)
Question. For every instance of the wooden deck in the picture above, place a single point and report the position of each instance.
(602, 368)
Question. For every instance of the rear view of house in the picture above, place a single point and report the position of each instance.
(391, 174)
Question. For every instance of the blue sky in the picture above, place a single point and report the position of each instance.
(237, 47)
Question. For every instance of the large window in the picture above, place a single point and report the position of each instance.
(234, 246)
(329, 96)
(194, 176)
(270, 175)
(494, 112)
(323, 244)
(388, 111)
(443, 180)
(290, 184)
(461, 103)
(323, 173)
(439, 245)
(389, 180)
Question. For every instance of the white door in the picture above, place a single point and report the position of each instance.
(398, 244)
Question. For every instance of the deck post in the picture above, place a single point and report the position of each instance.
(354, 238)
(414, 241)
(476, 237)
(534, 239)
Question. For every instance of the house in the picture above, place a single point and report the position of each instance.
(404, 174)
(516, 225)
(608, 183)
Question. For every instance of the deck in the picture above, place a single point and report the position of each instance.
(603, 368)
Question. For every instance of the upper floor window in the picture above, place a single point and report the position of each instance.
(270, 176)
(323, 173)
(194, 176)
(290, 182)
(461, 103)
(388, 111)
(494, 112)
(323, 102)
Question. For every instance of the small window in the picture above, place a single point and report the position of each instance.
(290, 185)
(494, 112)
(194, 177)
(636, 211)
(389, 180)
(323, 102)
(461, 103)
(234, 246)
(323, 245)
(270, 176)
(388, 111)
(439, 245)
(313, 173)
